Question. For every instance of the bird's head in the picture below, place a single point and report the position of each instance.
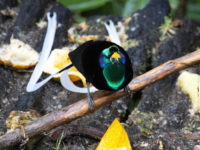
(111, 55)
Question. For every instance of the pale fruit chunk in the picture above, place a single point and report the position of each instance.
(57, 60)
(189, 83)
(18, 55)
(76, 36)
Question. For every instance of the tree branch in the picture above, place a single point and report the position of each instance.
(101, 98)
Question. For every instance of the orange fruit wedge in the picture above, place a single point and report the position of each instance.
(115, 138)
(57, 60)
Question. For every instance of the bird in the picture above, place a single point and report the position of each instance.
(104, 64)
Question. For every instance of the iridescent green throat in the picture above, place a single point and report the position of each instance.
(112, 62)
(114, 75)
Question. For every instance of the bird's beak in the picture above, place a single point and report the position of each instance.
(115, 55)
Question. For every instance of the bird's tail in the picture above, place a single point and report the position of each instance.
(33, 85)
(46, 49)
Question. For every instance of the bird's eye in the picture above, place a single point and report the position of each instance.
(115, 55)
(112, 50)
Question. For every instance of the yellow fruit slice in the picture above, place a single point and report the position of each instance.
(189, 83)
(75, 75)
(18, 55)
(115, 138)
(57, 60)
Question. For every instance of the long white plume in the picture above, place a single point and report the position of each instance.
(47, 46)
(112, 32)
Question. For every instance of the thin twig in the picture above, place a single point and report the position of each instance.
(73, 130)
(101, 98)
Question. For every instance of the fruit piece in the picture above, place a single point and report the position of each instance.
(18, 55)
(189, 83)
(57, 60)
(20, 118)
(115, 138)
(78, 34)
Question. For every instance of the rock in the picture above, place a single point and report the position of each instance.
(143, 27)
(163, 101)
(8, 3)
(25, 27)
(34, 11)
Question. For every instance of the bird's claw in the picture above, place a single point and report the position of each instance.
(127, 89)
(91, 103)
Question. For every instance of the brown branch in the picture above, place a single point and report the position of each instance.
(72, 130)
(101, 98)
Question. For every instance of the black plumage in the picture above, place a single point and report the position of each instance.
(86, 59)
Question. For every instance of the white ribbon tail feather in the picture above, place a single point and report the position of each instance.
(112, 32)
(47, 46)
(69, 85)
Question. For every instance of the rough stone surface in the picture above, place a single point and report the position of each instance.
(164, 110)
(143, 27)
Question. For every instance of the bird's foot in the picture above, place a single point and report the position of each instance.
(127, 89)
(91, 103)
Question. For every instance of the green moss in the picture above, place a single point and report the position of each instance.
(191, 124)
(153, 51)
(198, 47)
(143, 67)
(130, 43)
(166, 30)
(145, 121)
(127, 28)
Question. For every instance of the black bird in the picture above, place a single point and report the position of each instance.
(104, 64)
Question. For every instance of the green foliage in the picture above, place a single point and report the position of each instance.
(174, 6)
(167, 24)
(83, 5)
(133, 5)
(84, 8)
(166, 29)
(58, 143)
(193, 10)
(126, 7)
